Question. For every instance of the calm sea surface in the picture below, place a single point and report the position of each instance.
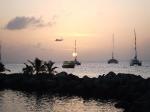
(95, 69)
(14, 101)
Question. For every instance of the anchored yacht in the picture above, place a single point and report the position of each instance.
(113, 60)
(135, 60)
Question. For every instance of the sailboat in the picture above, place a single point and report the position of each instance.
(68, 64)
(135, 61)
(113, 60)
(71, 64)
(0, 51)
(75, 54)
(2, 66)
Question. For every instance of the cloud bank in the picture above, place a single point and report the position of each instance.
(23, 22)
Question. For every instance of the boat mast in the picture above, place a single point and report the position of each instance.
(75, 50)
(135, 45)
(75, 47)
(113, 47)
(0, 51)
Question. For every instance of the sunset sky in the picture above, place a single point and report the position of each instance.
(29, 28)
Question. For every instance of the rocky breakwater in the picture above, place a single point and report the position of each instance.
(130, 91)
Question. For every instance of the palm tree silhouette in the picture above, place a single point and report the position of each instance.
(50, 69)
(38, 66)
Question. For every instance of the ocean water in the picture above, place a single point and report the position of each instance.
(14, 101)
(94, 69)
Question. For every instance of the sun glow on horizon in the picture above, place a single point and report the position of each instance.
(34, 27)
(74, 54)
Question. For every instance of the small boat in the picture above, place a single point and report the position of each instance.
(77, 62)
(2, 66)
(68, 64)
(71, 64)
(113, 60)
(75, 54)
(135, 61)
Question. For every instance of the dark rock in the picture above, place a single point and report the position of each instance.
(132, 92)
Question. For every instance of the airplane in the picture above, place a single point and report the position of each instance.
(59, 39)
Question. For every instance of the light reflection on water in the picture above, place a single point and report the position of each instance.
(15, 101)
(95, 69)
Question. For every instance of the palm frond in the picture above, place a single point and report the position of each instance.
(32, 63)
(52, 70)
